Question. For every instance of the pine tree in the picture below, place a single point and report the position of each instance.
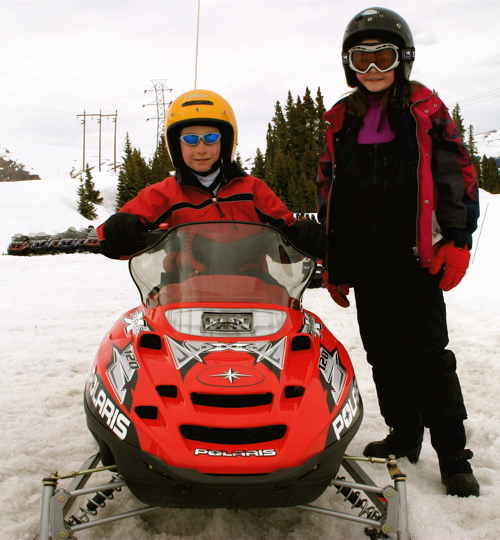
(274, 157)
(296, 128)
(457, 118)
(93, 194)
(140, 173)
(259, 165)
(277, 173)
(278, 176)
(161, 165)
(321, 124)
(490, 175)
(295, 139)
(86, 194)
(276, 134)
(471, 147)
(122, 192)
(134, 174)
(237, 160)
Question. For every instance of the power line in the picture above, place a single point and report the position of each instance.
(488, 61)
(492, 94)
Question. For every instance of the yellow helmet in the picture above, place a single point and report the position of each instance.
(205, 108)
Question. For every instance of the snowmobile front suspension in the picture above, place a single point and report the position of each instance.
(389, 513)
(387, 516)
(56, 503)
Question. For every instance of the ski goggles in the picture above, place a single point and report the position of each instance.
(382, 56)
(193, 140)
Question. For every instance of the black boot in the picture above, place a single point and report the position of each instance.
(456, 471)
(398, 443)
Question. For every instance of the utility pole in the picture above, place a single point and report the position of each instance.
(161, 107)
(99, 116)
(114, 143)
(197, 41)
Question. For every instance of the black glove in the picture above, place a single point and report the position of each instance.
(309, 236)
(123, 235)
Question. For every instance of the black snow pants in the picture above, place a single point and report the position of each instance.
(402, 322)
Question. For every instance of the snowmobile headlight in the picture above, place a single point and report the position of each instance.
(216, 322)
(227, 322)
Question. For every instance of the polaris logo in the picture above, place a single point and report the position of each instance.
(114, 418)
(349, 411)
(237, 453)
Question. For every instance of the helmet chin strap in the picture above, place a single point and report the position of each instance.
(215, 167)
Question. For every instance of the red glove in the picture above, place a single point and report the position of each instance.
(455, 261)
(337, 292)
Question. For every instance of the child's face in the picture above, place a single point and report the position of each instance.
(200, 158)
(374, 80)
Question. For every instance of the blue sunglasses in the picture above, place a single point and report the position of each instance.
(193, 140)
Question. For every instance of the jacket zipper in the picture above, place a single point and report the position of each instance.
(218, 206)
(417, 232)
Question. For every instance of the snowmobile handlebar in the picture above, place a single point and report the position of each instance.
(213, 255)
(153, 236)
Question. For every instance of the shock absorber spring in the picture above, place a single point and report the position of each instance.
(357, 502)
(96, 502)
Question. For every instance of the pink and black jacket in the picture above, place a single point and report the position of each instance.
(448, 197)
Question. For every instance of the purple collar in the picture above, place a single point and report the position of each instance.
(375, 128)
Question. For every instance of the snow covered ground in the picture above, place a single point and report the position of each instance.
(56, 309)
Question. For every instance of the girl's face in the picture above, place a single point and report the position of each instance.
(201, 157)
(373, 80)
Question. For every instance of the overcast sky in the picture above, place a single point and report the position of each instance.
(61, 58)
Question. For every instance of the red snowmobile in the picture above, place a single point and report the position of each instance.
(220, 390)
(20, 245)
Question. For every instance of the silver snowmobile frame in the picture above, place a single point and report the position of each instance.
(386, 518)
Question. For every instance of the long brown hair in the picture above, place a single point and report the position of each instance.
(395, 98)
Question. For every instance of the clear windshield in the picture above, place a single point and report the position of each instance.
(229, 262)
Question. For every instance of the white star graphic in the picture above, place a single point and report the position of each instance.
(231, 375)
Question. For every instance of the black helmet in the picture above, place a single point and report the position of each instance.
(383, 24)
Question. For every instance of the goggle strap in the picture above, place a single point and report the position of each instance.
(408, 54)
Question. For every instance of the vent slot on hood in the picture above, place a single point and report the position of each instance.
(235, 436)
(167, 390)
(301, 343)
(146, 412)
(150, 341)
(231, 401)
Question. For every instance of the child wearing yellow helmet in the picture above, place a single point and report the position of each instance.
(201, 135)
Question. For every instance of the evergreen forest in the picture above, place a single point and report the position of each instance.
(288, 164)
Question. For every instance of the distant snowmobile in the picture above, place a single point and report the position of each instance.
(20, 245)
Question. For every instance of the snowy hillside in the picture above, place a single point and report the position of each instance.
(56, 309)
(49, 205)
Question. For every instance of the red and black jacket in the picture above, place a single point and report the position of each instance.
(243, 198)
